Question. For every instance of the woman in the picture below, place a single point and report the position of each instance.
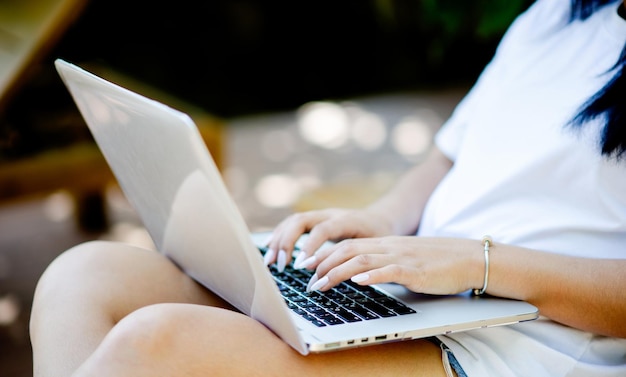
(532, 156)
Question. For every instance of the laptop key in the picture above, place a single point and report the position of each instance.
(404, 310)
(332, 320)
(317, 322)
(378, 309)
(346, 315)
(364, 313)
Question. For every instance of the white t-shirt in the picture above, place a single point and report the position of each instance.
(524, 177)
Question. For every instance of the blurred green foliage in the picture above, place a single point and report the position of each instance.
(485, 18)
(443, 22)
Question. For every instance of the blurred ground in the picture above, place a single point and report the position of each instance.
(275, 162)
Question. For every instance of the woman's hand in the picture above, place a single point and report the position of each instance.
(323, 225)
(397, 212)
(424, 265)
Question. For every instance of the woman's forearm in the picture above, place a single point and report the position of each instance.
(584, 293)
(404, 203)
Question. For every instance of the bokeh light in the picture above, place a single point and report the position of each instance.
(412, 136)
(324, 124)
(59, 206)
(9, 309)
(368, 130)
(277, 190)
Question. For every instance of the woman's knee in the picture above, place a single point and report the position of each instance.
(84, 275)
(158, 326)
(86, 261)
(162, 337)
(147, 331)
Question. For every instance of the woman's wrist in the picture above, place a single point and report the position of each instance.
(391, 215)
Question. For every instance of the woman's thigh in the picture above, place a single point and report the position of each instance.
(193, 340)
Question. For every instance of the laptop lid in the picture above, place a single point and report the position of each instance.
(167, 174)
(164, 169)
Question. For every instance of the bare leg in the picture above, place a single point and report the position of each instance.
(113, 310)
(88, 289)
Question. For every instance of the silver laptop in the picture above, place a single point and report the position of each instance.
(168, 175)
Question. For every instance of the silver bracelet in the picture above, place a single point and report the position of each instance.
(486, 241)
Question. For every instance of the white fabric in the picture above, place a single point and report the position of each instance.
(524, 177)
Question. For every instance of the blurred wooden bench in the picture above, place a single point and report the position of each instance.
(81, 170)
(28, 31)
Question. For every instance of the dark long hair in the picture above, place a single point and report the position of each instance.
(608, 103)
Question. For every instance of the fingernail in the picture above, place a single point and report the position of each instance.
(308, 262)
(282, 261)
(312, 281)
(298, 261)
(320, 284)
(359, 278)
(305, 263)
(269, 256)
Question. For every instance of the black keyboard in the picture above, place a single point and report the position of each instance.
(347, 302)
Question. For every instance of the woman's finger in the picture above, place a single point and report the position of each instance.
(287, 233)
(346, 259)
